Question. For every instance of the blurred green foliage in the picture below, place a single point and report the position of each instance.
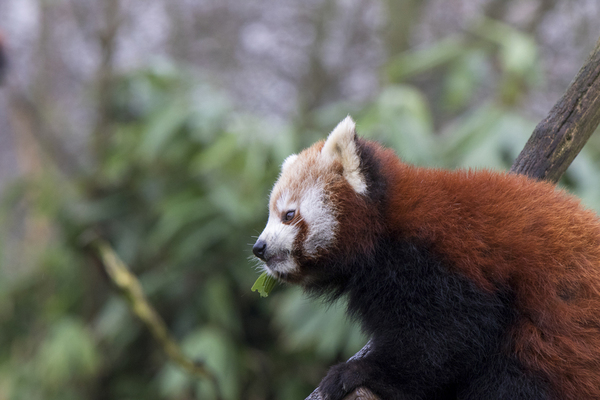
(181, 195)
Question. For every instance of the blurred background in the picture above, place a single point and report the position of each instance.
(161, 124)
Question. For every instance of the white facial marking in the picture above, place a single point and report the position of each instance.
(340, 146)
(284, 203)
(319, 218)
(280, 237)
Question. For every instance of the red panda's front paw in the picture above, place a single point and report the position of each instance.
(341, 380)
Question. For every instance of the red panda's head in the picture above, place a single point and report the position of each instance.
(319, 208)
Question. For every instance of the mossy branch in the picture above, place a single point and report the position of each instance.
(130, 287)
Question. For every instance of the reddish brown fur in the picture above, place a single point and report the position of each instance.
(508, 230)
(349, 205)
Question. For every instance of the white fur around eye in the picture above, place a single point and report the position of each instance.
(284, 204)
(279, 237)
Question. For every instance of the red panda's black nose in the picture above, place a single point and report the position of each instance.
(259, 249)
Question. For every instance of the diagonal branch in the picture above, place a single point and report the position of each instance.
(131, 289)
(562, 134)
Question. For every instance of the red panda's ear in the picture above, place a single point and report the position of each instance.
(288, 161)
(341, 146)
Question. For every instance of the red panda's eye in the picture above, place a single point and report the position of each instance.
(289, 215)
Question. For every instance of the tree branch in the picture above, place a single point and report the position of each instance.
(107, 38)
(553, 145)
(360, 393)
(130, 287)
(561, 135)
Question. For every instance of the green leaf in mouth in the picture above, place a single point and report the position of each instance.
(264, 284)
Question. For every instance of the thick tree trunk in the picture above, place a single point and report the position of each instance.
(552, 147)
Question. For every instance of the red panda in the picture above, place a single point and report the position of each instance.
(471, 284)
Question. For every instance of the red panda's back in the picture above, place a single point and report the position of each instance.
(505, 230)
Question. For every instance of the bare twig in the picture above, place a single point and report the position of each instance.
(107, 38)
